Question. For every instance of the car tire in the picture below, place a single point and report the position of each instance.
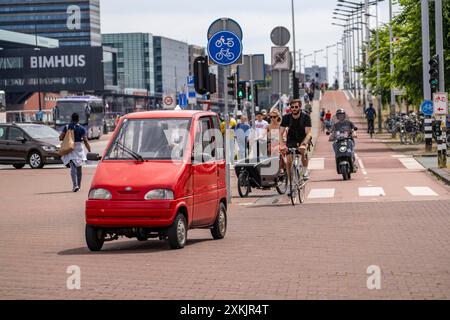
(219, 228)
(35, 160)
(177, 232)
(94, 238)
(19, 166)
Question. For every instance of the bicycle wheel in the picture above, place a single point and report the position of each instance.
(293, 185)
(302, 191)
(282, 185)
(243, 184)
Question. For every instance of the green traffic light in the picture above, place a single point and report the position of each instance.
(240, 94)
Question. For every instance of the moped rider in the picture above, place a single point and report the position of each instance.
(343, 127)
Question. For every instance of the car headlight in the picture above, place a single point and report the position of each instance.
(343, 149)
(159, 194)
(49, 148)
(100, 194)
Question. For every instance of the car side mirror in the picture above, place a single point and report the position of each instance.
(91, 156)
(21, 139)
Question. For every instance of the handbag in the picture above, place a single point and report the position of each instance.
(68, 144)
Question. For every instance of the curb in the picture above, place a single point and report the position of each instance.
(441, 175)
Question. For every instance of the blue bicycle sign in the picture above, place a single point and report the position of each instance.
(427, 107)
(224, 48)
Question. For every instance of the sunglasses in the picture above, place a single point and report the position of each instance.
(295, 107)
(274, 117)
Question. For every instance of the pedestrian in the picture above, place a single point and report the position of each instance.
(273, 133)
(371, 114)
(74, 160)
(242, 133)
(261, 127)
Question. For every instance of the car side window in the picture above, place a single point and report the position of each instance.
(2, 133)
(219, 143)
(202, 148)
(14, 133)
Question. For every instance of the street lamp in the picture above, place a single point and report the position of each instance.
(315, 54)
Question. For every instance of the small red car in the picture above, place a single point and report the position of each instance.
(162, 173)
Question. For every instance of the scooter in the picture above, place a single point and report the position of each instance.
(344, 156)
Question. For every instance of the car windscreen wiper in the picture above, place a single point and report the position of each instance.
(134, 154)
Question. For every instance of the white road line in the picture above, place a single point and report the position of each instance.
(371, 192)
(361, 165)
(421, 191)
(400, 156)
(316, 164)
(321, 193)
(411, 164)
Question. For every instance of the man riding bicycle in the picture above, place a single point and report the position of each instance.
(371, 114)
(299, 135)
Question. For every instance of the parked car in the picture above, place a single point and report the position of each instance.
(153, 181)
(33, 144)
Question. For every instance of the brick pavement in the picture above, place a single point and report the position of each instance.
(312, 251)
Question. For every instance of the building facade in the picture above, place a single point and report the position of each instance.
(171, 66)
(135, 64)
(194, 53)
(316, 73)
(72, 22)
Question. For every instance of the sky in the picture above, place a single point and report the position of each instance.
(188, 21)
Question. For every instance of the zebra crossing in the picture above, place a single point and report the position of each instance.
(329, 193)
(407, 162)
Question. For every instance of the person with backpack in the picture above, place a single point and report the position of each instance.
(371, 114)
(74, 160)
(299, 135)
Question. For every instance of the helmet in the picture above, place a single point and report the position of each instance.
(340, 114)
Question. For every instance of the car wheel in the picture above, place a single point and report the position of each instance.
(19, 166)
(35, 160)
(177, 232)
(94, 238)
(219, 228)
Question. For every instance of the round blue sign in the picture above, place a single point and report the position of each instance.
(224, 48)
(427, 108)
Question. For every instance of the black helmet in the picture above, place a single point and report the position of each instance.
(340, 114)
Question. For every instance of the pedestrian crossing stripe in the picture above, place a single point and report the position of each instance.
(321, 193)
(371, 192)
(411, 164)
(421, 191)
(316, 164)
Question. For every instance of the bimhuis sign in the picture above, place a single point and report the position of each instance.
(51, 70)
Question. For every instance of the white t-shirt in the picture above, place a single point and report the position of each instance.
(261, 128)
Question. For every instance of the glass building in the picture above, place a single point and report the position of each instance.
(72, 22)
(171, 66)
(134, 59)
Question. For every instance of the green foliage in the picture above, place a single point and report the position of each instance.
(407, 30)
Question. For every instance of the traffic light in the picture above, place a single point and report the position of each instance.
(249, 92)
(255, 93)
(201, 75)
(241, 91)
(212, 87)
(434, 72)
(231, 84)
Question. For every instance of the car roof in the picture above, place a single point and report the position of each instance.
(169, 114)
(14, 124)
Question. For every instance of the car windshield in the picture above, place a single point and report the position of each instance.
(66, 109)
(41, 132)
(152, 139)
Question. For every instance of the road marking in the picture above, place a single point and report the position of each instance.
(400, 156)
(421, 191)
(316, 164)
(411, 164)
(361, 165)
(321, 193)
(371, 192)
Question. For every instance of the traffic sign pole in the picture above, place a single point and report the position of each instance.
(227, 136)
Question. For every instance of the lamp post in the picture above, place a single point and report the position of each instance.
(328, 47)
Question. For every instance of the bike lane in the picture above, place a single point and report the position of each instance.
(383, 175)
